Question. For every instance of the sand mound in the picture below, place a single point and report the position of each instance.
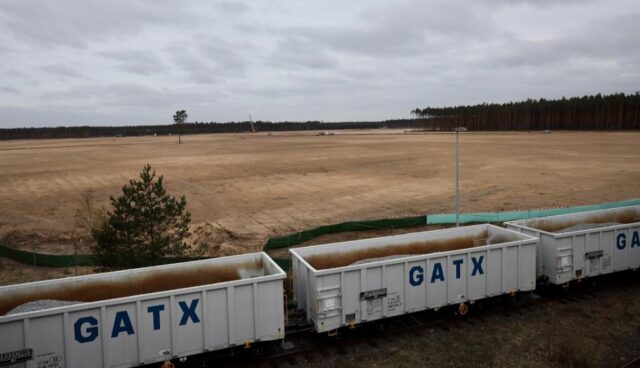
(218, 241)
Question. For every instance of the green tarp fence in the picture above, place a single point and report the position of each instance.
(48, 260)
(521, 215)
(284, 263)
(303, 236)
(438, 219)
(65, 260)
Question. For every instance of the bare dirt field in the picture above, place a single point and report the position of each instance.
(243, 188)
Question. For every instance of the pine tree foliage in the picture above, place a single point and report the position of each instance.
(597, 112)
(179, 118)
(145, 225)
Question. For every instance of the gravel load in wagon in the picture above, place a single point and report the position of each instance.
(362, 256)
(146, 315)
(40, 305)
(584, 244)
(343, 284)
(585, 220)
(91, 289)
(586, 226)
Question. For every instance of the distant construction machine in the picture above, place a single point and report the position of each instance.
(253, 128)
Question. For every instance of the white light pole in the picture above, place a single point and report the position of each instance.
(458, 130)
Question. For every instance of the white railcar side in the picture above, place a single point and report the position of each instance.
(584, 244)
(381, 288)
(146, 328)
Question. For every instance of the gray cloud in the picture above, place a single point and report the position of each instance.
(121, 95)
(15, 73)
(43, 116)
(62, 70)
(589, 42)
(225, 56)
(294, 51)
(9, 90)
(410, 28)
(232, 7)
(197, 69)
(6, 50)
(136, 61)
(209, 59)
(540, 3)
(78, 23)
(109, 62)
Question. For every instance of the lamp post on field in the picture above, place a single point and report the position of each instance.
(458, 130)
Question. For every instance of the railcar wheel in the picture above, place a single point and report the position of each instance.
(463, 309)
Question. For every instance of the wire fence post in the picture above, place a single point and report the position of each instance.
(75, 255)
(457, 179)
(458, 130)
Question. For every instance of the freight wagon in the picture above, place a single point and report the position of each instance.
(344, 284)
(584, 244)
(146, 315)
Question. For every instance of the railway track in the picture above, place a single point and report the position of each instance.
(633, 363)
(303, 345)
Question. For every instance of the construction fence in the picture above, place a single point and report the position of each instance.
(438, 219)
(48, 260)
(66, 260)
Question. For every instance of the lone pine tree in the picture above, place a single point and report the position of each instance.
(144, 225)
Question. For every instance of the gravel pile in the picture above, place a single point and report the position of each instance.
(40, 305)
(580, 227)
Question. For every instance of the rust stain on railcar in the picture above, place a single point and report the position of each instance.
(341, 259)
(626, 217)
(160, 280)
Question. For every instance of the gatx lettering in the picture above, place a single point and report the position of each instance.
(86, 329)
(416, 273)
(621, 240)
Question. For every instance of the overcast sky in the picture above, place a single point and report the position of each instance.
(99, 62)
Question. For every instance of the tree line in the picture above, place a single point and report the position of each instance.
(596, 112)
(195, 128)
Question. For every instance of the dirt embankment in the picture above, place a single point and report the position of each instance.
(214, 240)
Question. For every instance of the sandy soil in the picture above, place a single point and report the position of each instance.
(243, 188)
(12, 272)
